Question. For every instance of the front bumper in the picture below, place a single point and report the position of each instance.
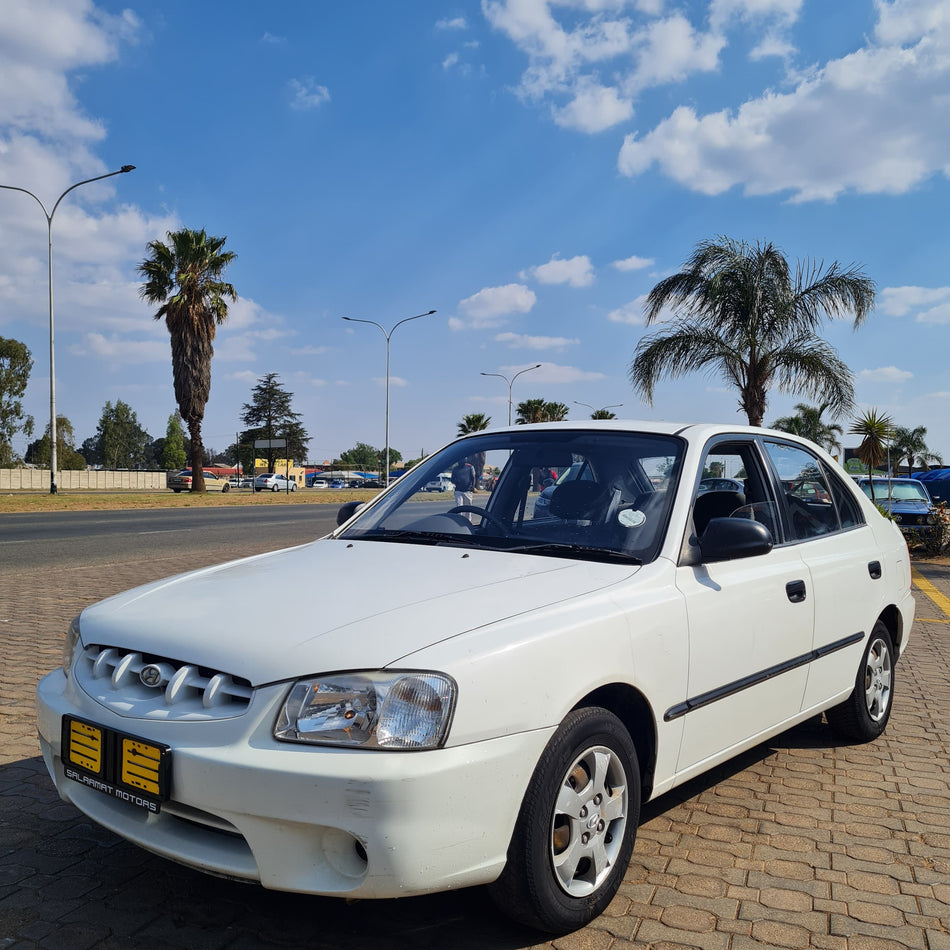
(316, 820)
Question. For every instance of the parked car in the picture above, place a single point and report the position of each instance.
(338, 483)
(907, 500)
(274, 482)
(484, 697)
(182, 482)
(319, 483)
(720, 484)
(442, 482)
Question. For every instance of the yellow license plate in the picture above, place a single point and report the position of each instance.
(126, 767)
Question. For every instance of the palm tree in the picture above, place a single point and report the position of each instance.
(603, 414)
(184, 277)
(531, 410)
(474, 422)
(875, 431)
(738, 311)
(807, 423)
(911, 444)
(555, 412)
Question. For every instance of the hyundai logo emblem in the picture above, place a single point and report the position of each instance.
(151, 675)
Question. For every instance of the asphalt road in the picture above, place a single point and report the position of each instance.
(53, 540)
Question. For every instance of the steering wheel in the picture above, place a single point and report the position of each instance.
(486, 515)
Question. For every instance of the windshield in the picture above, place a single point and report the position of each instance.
(589, 493)
(896, 491)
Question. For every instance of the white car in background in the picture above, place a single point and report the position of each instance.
(273, 482)
(435, 696)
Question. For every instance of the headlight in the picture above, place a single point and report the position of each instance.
(70, 644)
(372, 710)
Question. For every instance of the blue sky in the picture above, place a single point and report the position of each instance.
(527, 168)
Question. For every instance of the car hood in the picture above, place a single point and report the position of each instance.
(333, 605)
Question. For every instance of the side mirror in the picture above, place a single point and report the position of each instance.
(728, 539)
(347, 511)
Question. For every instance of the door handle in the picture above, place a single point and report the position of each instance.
(874, 569)
(795, 590)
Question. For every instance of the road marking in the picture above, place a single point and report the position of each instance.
(941, 600)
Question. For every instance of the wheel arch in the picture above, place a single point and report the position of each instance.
(892, 619)
(630, 706)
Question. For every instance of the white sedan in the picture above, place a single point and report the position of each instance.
(486, 697)
(273, 482)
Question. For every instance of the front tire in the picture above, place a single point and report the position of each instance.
(225, 489)
(293, 486)
(576, 828)
(863, 716)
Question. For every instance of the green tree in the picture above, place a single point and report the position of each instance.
(739, 311)
(123, 443)
(363, 457)
(269, 416)
(874, 428)
(474, 422)
(173, 456)
(555, 412)
(603, 414)
(67, 458)
(15, 366)
(911, 444)
(808, 424)
(185, 278)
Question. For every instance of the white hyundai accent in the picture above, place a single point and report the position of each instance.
(434, 697)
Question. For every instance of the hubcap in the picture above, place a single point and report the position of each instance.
(877, 680)
(589, 819)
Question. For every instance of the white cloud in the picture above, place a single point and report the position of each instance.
(634, 263)
(113, 349)
(553, 373)
(720, 11)
(885, 374)
(577, 271)
(309, 351)
(452, 23)
(490, 304)
(631, 313)
(525, 341)
(871, 122)
(307, 94)
(772, 45)
(396, 381)
(594, 108)
(450, 60)
(669, 50)
(899, 301)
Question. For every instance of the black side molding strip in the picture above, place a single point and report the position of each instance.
(753, 679)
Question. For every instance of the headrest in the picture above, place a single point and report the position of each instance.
(715, 504)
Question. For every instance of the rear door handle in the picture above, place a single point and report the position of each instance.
(795, 590)
(874, 569)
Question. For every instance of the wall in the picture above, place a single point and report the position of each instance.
(37, 479)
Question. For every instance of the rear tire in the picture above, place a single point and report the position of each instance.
(225, 489)
(576, 827)
(863, 716)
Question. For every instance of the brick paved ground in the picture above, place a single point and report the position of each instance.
(799, 843)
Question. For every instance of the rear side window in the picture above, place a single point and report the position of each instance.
(809, 506)
(848, 512)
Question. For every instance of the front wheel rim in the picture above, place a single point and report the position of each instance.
(878, 679)
(589, 821)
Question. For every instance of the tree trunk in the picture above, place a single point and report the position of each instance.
(197, 457)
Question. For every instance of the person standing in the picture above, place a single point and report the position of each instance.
(463, 478)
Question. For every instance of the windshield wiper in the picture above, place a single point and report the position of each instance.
(411, 537)
(564, 549)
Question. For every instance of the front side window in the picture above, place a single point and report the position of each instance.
(561, 492)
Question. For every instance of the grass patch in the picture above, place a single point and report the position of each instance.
(21, 501)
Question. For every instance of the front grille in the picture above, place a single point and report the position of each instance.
(175, 690)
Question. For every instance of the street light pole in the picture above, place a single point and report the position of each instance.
(388, 338)
(510, 382)
(602, 408)
(52, 358)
